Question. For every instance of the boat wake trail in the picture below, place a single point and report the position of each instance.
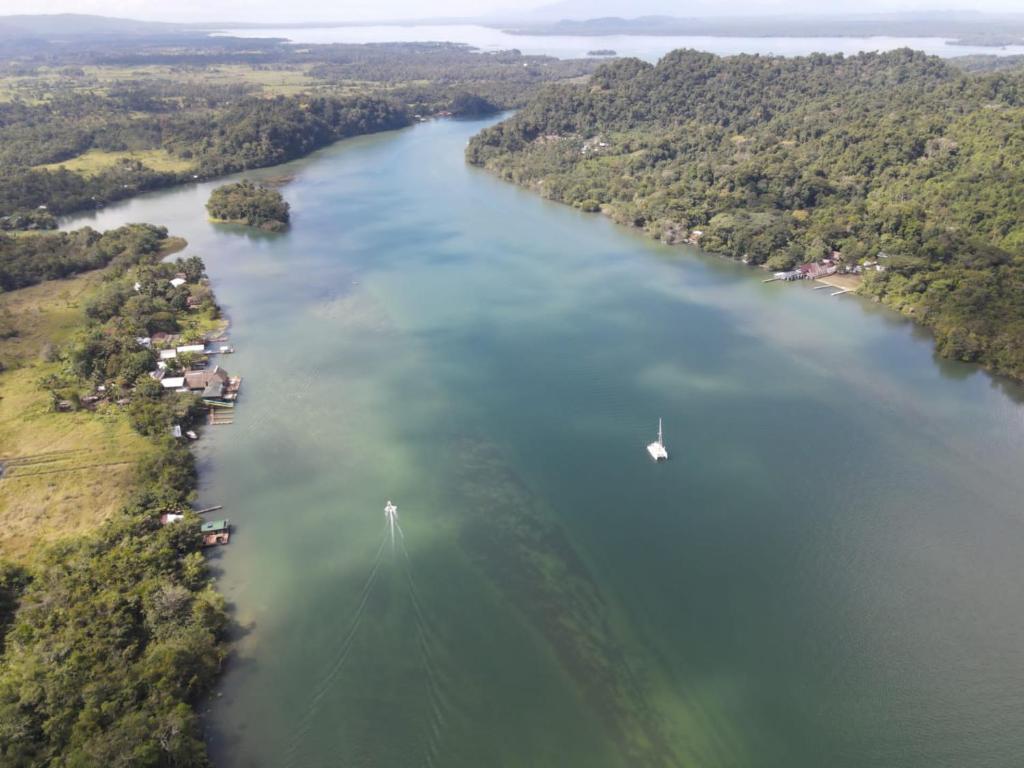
(336, 664)
(435, 695)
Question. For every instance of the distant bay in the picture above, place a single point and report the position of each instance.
(648, 47)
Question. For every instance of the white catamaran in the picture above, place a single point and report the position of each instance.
(657, 448)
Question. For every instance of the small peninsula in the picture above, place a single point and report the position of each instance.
(251, 204)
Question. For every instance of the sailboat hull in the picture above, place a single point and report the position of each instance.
(657, 451)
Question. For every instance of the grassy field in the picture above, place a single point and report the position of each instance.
(64, 472)
(49, 82)
(96, 160)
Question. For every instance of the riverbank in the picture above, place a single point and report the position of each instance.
(92, 467)
(57, 483)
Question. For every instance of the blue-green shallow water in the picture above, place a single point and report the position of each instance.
(827, 572)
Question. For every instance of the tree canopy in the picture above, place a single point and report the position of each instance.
(253, 204)
(897, 158)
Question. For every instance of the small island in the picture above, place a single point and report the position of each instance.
(254, 205)
(602, 52)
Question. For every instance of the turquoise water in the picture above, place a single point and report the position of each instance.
(827, 572)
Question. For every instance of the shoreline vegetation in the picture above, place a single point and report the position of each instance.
(249, 204)
(897, 167)
(110, 630)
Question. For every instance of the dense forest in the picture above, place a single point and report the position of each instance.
(898, 159)
(209, 106)
(247, 203)
(26, 261)
(252, 133)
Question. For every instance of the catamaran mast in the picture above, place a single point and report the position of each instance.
(661, 440)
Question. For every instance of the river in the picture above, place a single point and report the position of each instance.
(647, 47)
(828, 570)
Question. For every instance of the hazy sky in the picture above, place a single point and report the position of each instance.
(362, 10)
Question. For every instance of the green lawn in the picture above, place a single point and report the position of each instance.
(65, 472)
(96, 160)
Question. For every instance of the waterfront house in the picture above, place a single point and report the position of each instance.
(200, 380)
(814, 270)
(215, 532)
(215, 385)
(792, 274)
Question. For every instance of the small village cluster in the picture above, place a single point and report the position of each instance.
(187, 368)
(816, 270)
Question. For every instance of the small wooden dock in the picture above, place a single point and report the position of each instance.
(219, 417)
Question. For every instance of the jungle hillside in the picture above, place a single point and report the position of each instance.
(900, 166)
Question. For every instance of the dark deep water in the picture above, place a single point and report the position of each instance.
(827, 572)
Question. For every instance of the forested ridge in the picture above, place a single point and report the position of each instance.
(896, 158)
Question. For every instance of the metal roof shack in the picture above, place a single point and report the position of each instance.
(215, 532)
(214, 390)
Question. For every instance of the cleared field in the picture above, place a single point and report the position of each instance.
(96, 160)
(49, 82)
(64, 473)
